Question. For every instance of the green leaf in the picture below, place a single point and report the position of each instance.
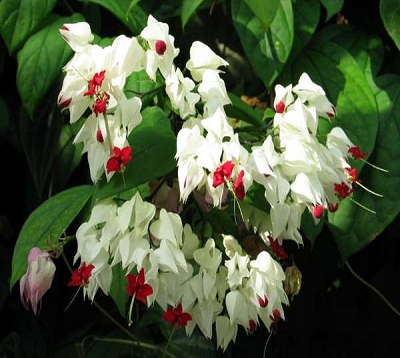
(20, 18)
(240, 110)
(141, 85)
(188, 8)
(40, 140)
(367, 49)
(127, 11)
(40, 62)
(306, 19)
(118, 289)
(332, 7)
(47, 222)
(265, 11)
(153, 151)
(352, 226)
(390, 14)
(69, 156)
(267, 50)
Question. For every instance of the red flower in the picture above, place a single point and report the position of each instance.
(95, 83)
(238, 186)
(100, 106)
(99, 136)
(276, 315)
(177, 316)
(356, 152)
(343, 190)
(280, 107)
(223, 171)
(318, 211)
(277, 248)
(252, 325)
(263, 302)
(352, 174)
(138, 287)
(333, 207)
(161, 47)
(64, 103)
(119, 160)
(81, 275)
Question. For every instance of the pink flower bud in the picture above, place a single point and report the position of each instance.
(38, 278)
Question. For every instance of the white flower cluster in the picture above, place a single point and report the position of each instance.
(295, 169)
(179, 269)
(95, 78)
(221, 289)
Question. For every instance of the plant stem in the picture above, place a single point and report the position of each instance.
(381, 296)
(170, 337)
(101, 309)
(108, 133)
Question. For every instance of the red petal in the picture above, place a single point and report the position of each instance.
(113, 165)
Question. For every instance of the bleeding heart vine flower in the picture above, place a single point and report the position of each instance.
(38, 278)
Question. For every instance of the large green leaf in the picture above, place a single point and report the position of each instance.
(40, 140)
(306, 19)
(127, 11)
(118, 289)
(354, 227)
(390, 14)
(40, 62)
(188, 8)
(153, 150)
(265, 11)
(332, 7)
(20, 18)
(68, 157)
(367, 49)
(47, 222)
(267, 50)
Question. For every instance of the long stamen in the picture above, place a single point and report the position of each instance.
(362, 206)
(375, 167)
(369, 190)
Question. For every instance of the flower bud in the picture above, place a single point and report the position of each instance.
(292, 283)
(38, 278)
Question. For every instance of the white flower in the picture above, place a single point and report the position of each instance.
(94, 136)
(226, 331)
(237, 269)
(112, 64)
(208, 257)
(202, 58)
(162, 51)
(315, 96)
(77, 35)
(213, 92)
(237, 308)
(283, 97)
(179, 90)
(338, 139)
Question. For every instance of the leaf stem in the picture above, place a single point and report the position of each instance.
(134, 343)
(371, 287)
